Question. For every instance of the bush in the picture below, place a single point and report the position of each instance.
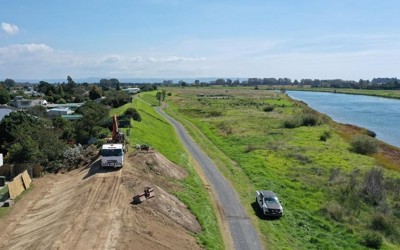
(374, 189)
(325, 135)
(363, 144)
(268, 108)
(133, 113)
(309, 120)
(291, 123)
(372, 240)
(334, 210)
(382, 223)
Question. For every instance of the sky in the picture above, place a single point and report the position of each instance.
(298, 39)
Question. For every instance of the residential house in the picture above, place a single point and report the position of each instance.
(20, 103)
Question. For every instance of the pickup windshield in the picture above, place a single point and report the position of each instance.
(271, 199)
(111, 152)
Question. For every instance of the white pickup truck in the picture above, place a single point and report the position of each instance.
(269, 203)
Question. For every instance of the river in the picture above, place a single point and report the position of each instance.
(380, 115)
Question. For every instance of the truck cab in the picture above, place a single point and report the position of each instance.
(112, 155)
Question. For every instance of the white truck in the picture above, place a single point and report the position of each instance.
(112, 155)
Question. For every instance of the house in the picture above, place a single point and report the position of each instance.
(21, 103)
(59, 111)
(71, 106)
(131, 90)
(71, 117)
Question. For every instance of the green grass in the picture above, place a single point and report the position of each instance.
(4, 211)
(254, 151)
(156, 132)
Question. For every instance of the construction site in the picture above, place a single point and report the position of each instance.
(103, 208)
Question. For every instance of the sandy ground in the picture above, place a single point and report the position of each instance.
(92, 208)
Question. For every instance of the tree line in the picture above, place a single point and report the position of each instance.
(30, 136)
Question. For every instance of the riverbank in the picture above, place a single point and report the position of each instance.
(393, 94)
(321, 182)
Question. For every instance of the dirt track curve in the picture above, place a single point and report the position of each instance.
(241, 229)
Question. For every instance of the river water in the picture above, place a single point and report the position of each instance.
(381, 115)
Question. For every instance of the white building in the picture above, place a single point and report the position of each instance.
(21, 103)
(59, 112)
(131, 90)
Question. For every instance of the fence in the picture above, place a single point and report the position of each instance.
(20, 183)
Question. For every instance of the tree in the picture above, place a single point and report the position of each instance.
(105, 84)
(70, 85)
(4, 96)
(94, 93)
(9, 83)
(159, 97)
(114, 83)
(37, 110)
(25, 151)
(163, 94)
(92, 113)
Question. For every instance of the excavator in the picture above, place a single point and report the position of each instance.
(112, 153)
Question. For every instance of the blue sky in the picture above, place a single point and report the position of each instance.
(348, 39)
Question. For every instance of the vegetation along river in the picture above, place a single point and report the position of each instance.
(380, 115)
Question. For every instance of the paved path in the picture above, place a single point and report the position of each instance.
(242, 231)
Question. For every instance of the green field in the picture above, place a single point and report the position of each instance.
(156, 132)
(323, 185)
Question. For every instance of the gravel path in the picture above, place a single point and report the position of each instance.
(241, 229)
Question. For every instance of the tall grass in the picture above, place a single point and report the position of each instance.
(322, 210)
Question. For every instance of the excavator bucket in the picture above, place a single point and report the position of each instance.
(147, 194)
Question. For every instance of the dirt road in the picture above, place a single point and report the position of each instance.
(91, 209)
(241, 229)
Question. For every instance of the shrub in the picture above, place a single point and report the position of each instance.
(334, 210)
(268, 108)
(382, 223)
(309, 120)
(325, 135)
(250, 148)
(133, 113)
(291, 123)
(372, 240)
(374, 189)
(363, 144)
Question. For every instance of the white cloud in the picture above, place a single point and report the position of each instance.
(9, 29)
(216, 58)
(27, 61)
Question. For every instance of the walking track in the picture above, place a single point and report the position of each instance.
(242, 231)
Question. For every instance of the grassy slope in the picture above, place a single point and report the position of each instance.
(155, 131)
(257, 153)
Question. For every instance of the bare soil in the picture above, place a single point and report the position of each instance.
(92, 208)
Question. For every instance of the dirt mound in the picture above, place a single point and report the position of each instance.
(91, 209)
(158, 164)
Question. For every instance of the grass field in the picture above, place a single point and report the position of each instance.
(323, 185)
(156, 132)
